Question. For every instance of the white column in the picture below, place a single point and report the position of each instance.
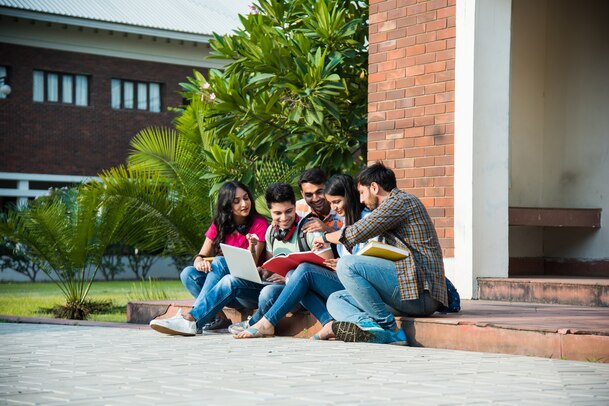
(22, 185)
(482, 95)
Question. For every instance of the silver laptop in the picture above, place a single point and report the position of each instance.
(241, 263)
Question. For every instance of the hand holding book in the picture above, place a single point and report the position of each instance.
(282, 264)
(382, 250)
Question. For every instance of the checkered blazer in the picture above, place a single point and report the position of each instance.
(401, 220)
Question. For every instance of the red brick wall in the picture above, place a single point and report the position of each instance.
(411, 101)
(53, 138)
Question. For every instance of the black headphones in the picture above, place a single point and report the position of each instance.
(282, 234)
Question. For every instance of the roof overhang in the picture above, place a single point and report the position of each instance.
(102, 25)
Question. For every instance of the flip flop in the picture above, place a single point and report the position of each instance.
(255, 333)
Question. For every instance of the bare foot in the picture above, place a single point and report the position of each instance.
(326, 332)
(263, 328)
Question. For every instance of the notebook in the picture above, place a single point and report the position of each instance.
(382, 250)
(241, 263)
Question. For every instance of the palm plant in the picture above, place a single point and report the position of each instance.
(163, 215)
(68, 233)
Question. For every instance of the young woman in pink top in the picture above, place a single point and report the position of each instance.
(235, 223)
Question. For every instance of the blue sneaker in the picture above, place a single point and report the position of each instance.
(396, 337)
(364, 332)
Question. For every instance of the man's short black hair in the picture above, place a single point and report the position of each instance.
(380, 174)
(314, 175)
(279, 193)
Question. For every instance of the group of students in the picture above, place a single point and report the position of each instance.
(354, 297)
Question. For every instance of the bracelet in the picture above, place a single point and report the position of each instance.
(200, 256)
(325, 238)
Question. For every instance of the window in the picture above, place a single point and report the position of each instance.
(54, 87)
(132, 95)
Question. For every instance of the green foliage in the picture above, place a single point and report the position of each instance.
(149, 289)
(80, 310)
(164, 215)
(293, 97)
(296, 89)
(268, 172)
(37, 299)
(68, 233)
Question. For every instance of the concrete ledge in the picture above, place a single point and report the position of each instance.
(561, 344)
(68, 322)
(552, 290)
(554, 217)
(300, 324)
(542, 330)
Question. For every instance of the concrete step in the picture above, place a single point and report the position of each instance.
(301, 324)
(543, 330)
(578, 291)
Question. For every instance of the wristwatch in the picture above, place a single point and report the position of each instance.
(325, 238)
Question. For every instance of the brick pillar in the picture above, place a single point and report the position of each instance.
(411, 101)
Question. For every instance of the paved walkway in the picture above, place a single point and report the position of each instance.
(51, 364)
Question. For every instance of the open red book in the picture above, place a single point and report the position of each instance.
(282, 264)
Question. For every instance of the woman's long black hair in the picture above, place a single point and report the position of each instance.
(223, 215)
(344, 185)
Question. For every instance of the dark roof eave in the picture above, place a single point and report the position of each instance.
(104, 25)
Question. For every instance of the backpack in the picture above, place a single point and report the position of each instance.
(454, 300)
(303, 244)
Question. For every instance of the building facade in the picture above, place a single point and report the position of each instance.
(85, 77)
(481, 106)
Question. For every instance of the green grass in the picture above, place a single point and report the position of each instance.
(30, 299)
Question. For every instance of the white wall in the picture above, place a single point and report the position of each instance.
(161, 269)
(482, 94)
(560, 121)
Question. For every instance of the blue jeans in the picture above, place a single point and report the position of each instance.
(199, 283)
(228, 290)
(266, 300)
(372, 293)
(310, 285)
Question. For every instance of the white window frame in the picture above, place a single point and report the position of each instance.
(60, 88)
(135, 95)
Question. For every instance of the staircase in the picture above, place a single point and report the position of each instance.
(566, 318)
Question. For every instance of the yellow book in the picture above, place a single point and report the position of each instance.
(382, 250)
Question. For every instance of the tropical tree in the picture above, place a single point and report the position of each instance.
(293, 96)
(295, 91)
(68, 234)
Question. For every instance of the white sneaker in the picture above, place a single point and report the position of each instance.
(176, 325)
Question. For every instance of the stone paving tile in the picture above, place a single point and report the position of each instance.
(53, 364)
